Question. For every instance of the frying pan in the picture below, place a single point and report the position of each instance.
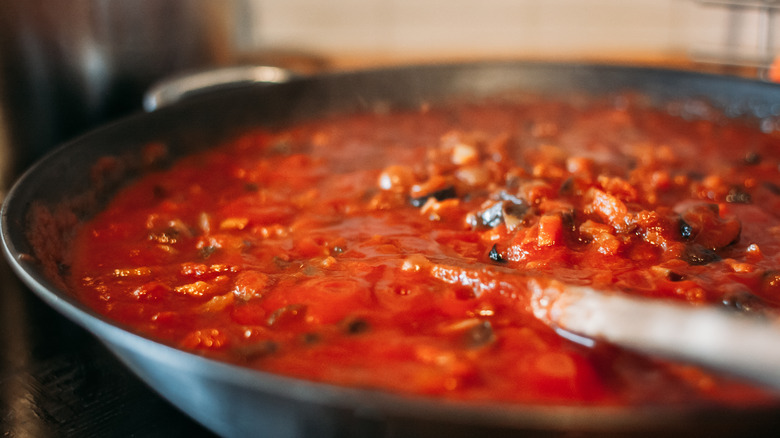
(234, 401)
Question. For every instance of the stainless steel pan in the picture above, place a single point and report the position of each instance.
(234, 401)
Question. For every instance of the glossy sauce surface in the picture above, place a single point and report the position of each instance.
(392, 250)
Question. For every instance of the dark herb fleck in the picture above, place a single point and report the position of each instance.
(356, 326)
(257, 351)
(698, 255)
(516, 213)
(567, 187)
(159, 192)
(772, 187)
(480, 335)
(752, 158)
(495, 256)
(251, 187)
(696, 176)
(207, 251)
(686, 230)
(567, 219)
(281, 263)
(63, 269)
(311, 338)
(674, 276)
(439, 195)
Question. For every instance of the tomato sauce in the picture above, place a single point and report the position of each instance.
(392, 249)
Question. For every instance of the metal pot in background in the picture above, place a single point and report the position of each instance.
(68, 66)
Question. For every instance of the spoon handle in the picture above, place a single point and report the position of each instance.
(742, 346)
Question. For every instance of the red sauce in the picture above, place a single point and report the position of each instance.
(391, 250)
